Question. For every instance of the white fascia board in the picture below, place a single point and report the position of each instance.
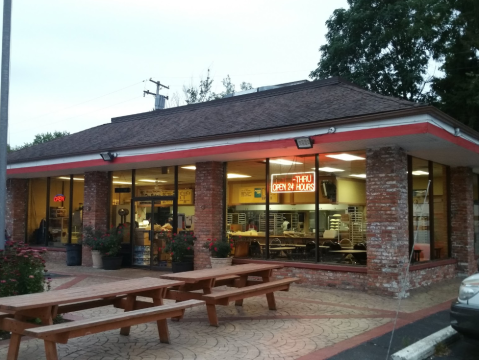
(320, 130)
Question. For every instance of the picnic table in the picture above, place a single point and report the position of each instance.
(15, 311)
(232, 276)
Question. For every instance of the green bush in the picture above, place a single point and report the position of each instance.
(22, 270)
(219, 248)
(180, 247)
(107, 242)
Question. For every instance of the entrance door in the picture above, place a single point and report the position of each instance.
(154, 218)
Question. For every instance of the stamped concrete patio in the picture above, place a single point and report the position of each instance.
(310, 323)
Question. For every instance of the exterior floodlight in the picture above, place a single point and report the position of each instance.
(304, 142)
(108, 156)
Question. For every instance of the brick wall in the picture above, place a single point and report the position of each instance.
(95, 205)
(429, 276)
(16, 211)
(387, 219)
(209, 212)
(462, 220)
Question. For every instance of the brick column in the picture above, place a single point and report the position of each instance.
(16, 211)
(95, 206)
(462, 220)
(209, 212)
(387, 219)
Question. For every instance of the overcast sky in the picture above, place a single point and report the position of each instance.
(76, 64)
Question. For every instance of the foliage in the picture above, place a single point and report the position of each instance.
(40, 139)
(219, 248)
(21, 270)
(203, 92)
(107, 242)
(180, 246)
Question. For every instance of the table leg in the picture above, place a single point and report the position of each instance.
(129, 306)
(14, 346)
(162, 325)
(269, 297)
(51, 350)
(241, 283)
(212, 316)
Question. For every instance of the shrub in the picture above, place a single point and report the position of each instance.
(219, 248)
(180, 247)
(107, 242)
(22, 270)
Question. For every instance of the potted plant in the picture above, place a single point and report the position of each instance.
(181, 249)
(105, 246)
(220, 252)
(91, 238)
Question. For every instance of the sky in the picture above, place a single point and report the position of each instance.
(75, 64)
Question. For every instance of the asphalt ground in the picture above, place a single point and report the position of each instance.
(376, 349)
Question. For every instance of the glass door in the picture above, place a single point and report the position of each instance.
(154, 222)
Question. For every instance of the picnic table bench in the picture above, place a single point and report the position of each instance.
(235, 277)
(15, 311)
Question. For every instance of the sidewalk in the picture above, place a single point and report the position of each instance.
(310, 323)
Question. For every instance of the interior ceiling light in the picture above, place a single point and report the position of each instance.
(345, 157)
(152, 181)
(189, 167)
(328, 169)
(420, 172)
(68, 178)
(122, 182)
(237, 176)
(283, 162)
(363, 176)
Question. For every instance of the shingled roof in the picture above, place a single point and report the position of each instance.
(285, 107)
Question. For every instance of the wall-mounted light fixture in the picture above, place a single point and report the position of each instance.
(304, 142)
(108, 156)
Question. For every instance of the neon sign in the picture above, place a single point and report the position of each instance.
(59, 198)
(293, 182)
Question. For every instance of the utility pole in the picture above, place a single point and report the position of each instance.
(4, 91)
(159, 99)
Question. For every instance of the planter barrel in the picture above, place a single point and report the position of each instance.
(97, 260)
(112, 262)
(221, 262)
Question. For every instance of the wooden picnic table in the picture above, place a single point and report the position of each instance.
(17, 310)
(233, 276)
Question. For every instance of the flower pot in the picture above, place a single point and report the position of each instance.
(182, 266)
(112, 262)
(73, 254)
(220, 262)
(96, 258)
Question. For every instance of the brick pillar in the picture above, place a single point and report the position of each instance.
(387, 219)
(462, 220)
(209, 212)
(95, 205)
(16, 211)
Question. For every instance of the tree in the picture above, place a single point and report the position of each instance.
(382, 45)
(203, 92)
(39, 139)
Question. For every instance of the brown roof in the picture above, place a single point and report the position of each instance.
(287, 107)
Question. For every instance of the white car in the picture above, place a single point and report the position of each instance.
(465, 310)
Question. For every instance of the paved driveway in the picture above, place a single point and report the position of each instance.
(310, 323)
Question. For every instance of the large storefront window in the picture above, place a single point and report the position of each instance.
(59, 204)
(37, 212)
(429, 201)
(476, 213)
(301, 229)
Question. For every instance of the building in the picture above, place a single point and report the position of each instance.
(382, 172)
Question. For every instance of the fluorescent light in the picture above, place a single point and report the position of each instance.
(122, 182)
(152, 181)
(189, 167)
(283, 162)
(363, 176)
(237, 176)
(115, 177)
(328, 169)
(68, 178)
(345, 157)
(420, 172)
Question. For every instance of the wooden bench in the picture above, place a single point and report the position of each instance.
(61, 333)
(238, 294)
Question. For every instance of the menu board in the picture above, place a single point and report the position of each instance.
(255, 194)
(185, 197)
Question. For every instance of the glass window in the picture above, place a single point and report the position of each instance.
(420, 212)
(476, 213)
(121, 198)
(77, 207)
(59, 204)
(441, 216)
(37, 205)
(186, 197)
